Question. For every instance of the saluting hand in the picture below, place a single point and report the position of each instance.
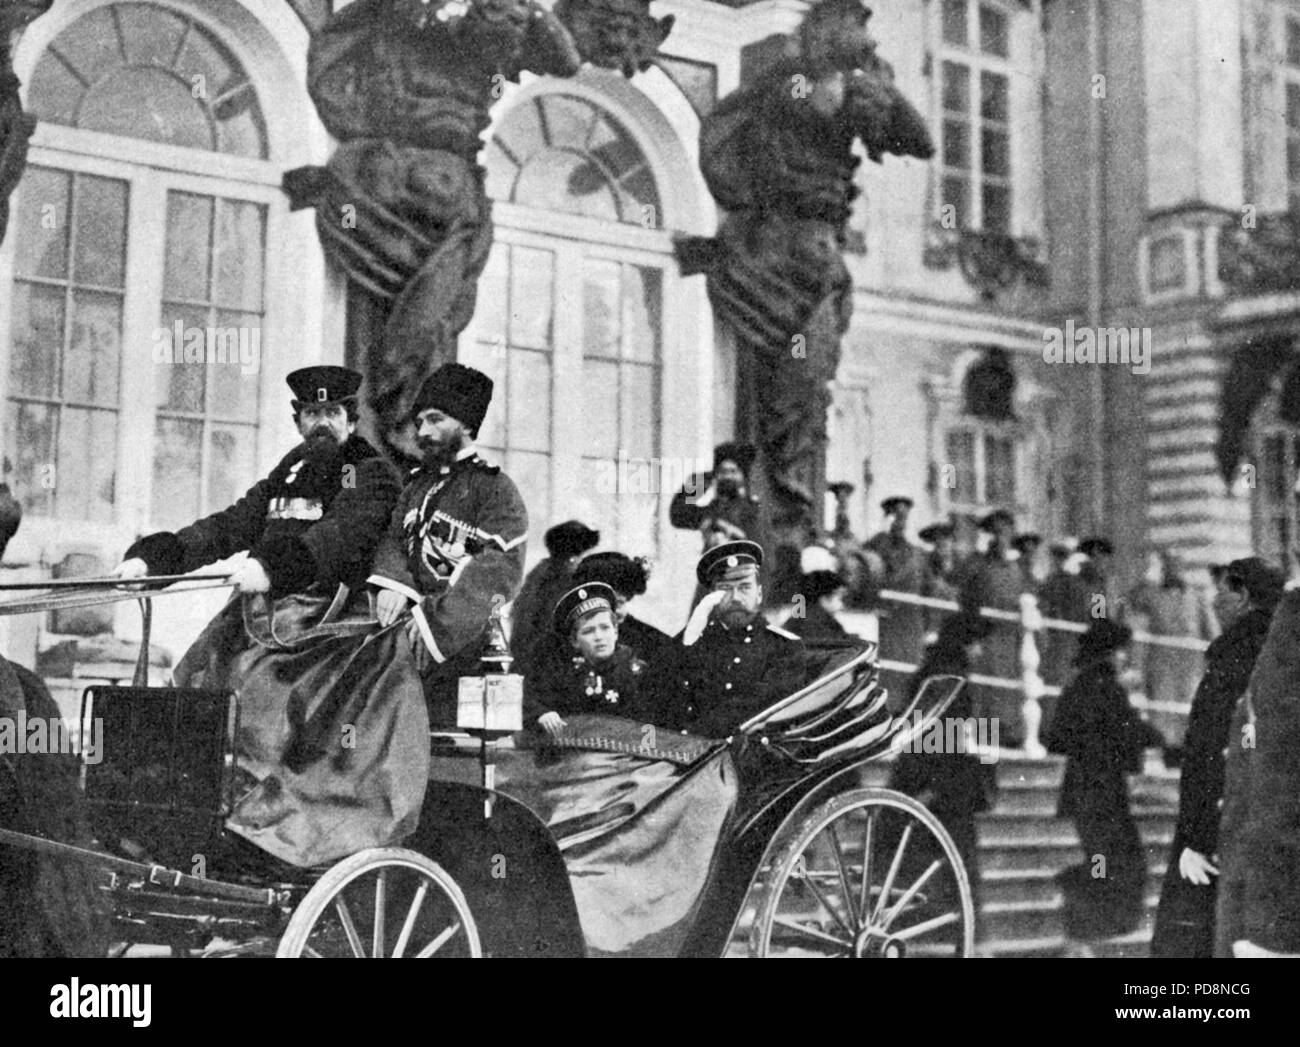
(552, 723)
(390, 606)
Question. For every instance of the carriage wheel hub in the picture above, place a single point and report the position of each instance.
(872, 943)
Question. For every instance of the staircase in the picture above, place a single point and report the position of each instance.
(1023, 845)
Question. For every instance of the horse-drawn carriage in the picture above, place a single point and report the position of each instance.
(615, 838)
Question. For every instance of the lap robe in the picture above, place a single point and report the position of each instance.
(641, 836)
(333, 741)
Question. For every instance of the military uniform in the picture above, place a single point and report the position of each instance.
(456, 542)
(717, 683)
(569, 684)
(312, 523)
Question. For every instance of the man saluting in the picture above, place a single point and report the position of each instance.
(728, 663)
(454, 550)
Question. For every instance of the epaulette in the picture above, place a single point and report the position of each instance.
(783, 633)
(485, 466)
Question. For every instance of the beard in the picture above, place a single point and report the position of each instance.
(439, 452)
(322, 444)
(728, 488)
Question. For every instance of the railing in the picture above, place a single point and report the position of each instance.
(1029, 619)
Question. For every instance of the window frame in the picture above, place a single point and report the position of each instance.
(1265, 514)
(150, 170)
(976, 62)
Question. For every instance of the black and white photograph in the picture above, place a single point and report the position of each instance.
(651, 478)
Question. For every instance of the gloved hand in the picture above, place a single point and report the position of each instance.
(700, 616)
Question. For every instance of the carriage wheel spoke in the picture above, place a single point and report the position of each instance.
(381, 889)
(821, 900)
(349, 928)
(811, 932)
(929, 925)
(438, 942)
(893, 872)
(409, 925)
(864, 896)
(844, 875)
(909, 894)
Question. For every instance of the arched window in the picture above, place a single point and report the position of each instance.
(140, 230)
(571, 317)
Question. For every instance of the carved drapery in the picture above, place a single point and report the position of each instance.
(16, 126)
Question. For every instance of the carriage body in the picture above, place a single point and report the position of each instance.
(475, 879)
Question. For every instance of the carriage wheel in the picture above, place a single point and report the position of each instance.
(382, 902)
(870, 873)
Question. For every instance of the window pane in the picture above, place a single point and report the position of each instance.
(961, 456)
(37, 340)
(531, 277)
(150, 34)
(956, 88)
(1293, 157)
(997, 208)
(996, 148)
(566, 121)
(178, 445)
(233, 374)
(490, 306)
(529, 406)
(189, 247)
(31, 449)
(600, 409)
(241, 235)
(40, 222)
(993, 31)
(1293, 106)
(94, 360)
(993, 97)
(532, 475)
(150, 104)
(1293, 43)
(999, 470)
(600, 308)
(558, 180)
(55, 91)
(954, 22)
(230, 464)
(87, 452)
(956, 194)
(640, 414)
(956, 144)
(642, 308)
(101, 232)
(178, 384)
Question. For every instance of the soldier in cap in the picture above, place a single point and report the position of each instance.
(941, 574)
(312, 523)
(454, 551)
(896, 563)
(728, 663)
(995, 579)
(530, 616)
(720, 497)
(585, 669)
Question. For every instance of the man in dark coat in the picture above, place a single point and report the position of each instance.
(328, 750)
(1247, 594)
(1100, 733)
(942, 572)
(896, 563)
(454, 551)
(1258, 911)
(722, 495)
(727, 664)
(1064, 596)
(814, 619)
(530, 617)
(313, 523)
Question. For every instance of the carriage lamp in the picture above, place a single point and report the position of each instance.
(491, 704)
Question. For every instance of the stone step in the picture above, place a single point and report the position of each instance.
(1001, 886)
(1154, 825)
(1030, 920)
